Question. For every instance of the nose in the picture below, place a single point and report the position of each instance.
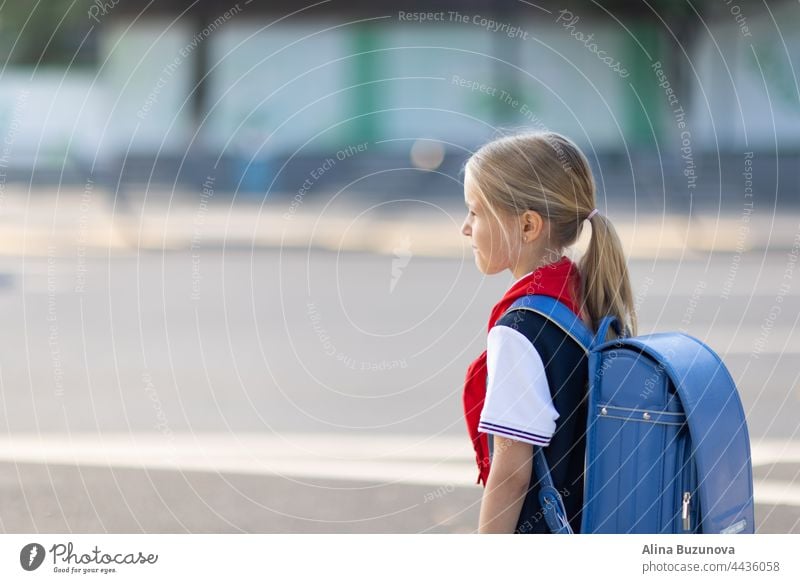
(466, 229)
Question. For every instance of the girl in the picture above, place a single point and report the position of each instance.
(528, 196)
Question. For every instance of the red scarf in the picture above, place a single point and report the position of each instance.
(559, 280)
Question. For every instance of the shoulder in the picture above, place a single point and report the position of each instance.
(543, 334)
(509, 344)
(528, 324)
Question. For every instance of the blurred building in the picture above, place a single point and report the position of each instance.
(263, 91)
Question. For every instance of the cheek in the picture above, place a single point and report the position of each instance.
(490, 241)
(479, 233)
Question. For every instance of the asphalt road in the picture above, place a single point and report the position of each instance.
(357, 357)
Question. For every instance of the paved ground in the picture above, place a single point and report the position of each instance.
(146, 362)
(212, 484)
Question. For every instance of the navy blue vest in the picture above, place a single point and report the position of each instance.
(567, 370)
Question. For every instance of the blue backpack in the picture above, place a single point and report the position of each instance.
(667, 448)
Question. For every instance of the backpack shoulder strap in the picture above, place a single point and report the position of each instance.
(555, 513)
(557, 312)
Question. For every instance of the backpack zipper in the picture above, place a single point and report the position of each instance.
(688, 479)
(687, 499)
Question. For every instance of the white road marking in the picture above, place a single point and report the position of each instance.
(407, 459)
(777, 492)
(770, 451)
(402, 459)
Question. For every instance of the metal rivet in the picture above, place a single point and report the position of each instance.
(603, 411)
(646, 415)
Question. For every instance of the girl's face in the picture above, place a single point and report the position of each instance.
(490, 238)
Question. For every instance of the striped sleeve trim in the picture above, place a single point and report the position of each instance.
(518, 434)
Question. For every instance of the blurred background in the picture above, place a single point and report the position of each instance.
(233, 289)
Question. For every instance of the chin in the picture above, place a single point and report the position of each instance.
(487, 269)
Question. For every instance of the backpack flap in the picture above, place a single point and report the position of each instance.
(717, 426)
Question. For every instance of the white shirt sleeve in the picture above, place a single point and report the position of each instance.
(518, 403)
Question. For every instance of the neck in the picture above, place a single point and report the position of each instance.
(524, 268)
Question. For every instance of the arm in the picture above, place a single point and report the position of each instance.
(519, 412)
(509, 479)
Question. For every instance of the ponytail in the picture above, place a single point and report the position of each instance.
(605, 283)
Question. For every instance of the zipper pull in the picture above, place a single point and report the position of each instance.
(687, 498)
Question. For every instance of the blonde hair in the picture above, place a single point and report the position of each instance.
(547, 173)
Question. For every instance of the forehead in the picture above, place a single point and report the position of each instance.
(469, 195)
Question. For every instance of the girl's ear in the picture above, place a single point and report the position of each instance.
(531, 225)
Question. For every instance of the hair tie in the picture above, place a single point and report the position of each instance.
(591, 214)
